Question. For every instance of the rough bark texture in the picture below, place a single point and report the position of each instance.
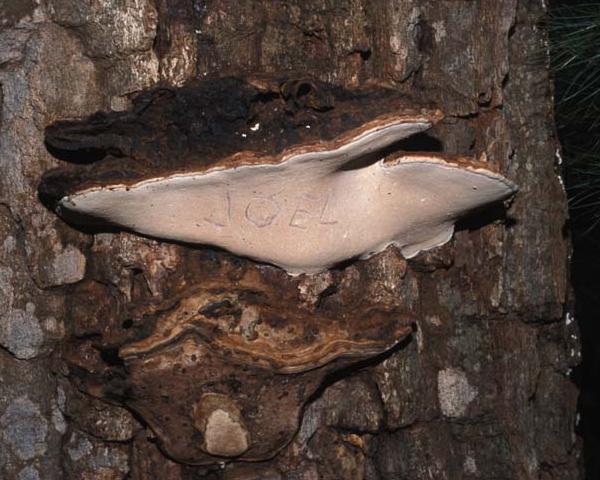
(480, 390)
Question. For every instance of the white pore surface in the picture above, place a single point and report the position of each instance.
(306, 213)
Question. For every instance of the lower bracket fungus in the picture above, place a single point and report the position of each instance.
(221, 372)
(300, 178)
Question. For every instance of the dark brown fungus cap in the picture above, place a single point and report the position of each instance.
(222, 371)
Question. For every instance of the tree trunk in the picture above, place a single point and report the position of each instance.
(481, 389)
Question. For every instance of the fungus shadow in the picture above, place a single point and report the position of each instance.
(80, 156)
(350, 370)
(481, 217)
(419, 142)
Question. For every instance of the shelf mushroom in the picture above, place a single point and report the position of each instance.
(302, 176)
(298, 174)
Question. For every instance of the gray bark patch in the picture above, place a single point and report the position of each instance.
(24, 429)
(454, 392)
(20, 332)
(67, 267)
(29, 473)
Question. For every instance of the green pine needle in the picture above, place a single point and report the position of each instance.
(575, 59)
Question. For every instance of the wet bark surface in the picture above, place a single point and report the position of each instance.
(480, 389)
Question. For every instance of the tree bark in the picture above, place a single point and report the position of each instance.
(482, 388)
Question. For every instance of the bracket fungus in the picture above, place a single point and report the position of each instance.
(297, 174)
(221, 371)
